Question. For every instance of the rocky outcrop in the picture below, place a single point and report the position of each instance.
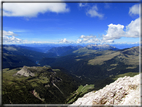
(124, 91)
(25, 72)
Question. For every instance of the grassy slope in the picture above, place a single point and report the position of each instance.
(40, 83)
(18, 84)
(84, 59)
(8, 79)
(16, 89)
(80, 92)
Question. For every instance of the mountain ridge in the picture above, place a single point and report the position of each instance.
(113, 62)
(64, 50)
(45, 84)
(101, 47)
(83, 66)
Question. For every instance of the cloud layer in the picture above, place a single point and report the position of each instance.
(82, 4)
(87, 39)
(32, 9)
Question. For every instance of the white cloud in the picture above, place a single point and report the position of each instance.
(79, 41)
(93, 12)
(135, 9)
(64, 41)
(82, 5)
(82, 36)
(87, 39)
(9, 33)
(106, 41)
(117, 31)
(95, 40)
(12, 39)
(133, 29)
(32, 9)
(114, 32)
(9, 37)
(27, 42)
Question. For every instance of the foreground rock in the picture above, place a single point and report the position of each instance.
(25, 72)
(124, 91)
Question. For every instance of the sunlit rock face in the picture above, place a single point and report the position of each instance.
(124, 91)
(25, 72)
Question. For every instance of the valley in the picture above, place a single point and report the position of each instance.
(60, 75)
(65, 53)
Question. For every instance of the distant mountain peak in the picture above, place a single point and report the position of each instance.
(100, 46)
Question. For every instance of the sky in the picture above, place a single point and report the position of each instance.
(97, 23)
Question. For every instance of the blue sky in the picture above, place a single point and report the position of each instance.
(71, 23)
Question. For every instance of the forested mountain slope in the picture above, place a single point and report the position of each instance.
(45, 85)
(96, 64)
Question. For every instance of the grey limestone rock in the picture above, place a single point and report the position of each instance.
(124, 91)
(25, 72)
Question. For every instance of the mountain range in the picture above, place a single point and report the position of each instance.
(101, 47)
(63, 71)
(62, 51)
(80, 61)
(94, 64)
(18, 56)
